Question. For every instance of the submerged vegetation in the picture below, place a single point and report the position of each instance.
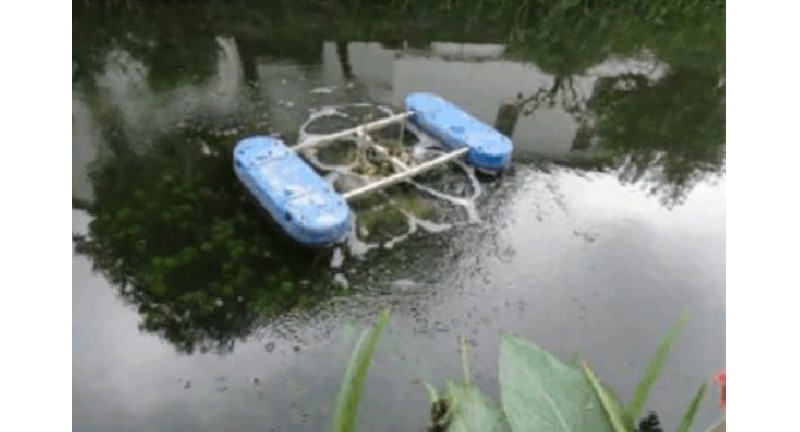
(538, 392)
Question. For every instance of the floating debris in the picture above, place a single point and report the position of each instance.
(322, 90)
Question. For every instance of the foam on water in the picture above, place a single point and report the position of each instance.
(425, 148)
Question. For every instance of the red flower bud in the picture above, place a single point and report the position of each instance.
(720, 379)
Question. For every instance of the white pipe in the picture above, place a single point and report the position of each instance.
(361, 129)
(387, 155)
(398, 177)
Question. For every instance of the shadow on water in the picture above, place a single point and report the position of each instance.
(162, 91)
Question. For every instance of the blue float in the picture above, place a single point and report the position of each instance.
(297, 198)
(310, 211)
(455, 128)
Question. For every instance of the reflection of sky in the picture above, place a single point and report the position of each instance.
(123, 82)
(477, 78)
(474, 76)
(127, 380)
(85, 144)
(573, 262)
(611, 269)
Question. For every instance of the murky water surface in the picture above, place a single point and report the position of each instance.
(192, 312)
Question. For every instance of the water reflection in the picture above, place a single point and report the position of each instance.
(86, 141)
(658, 126)
(173, 230)
(667, 134)
(562, 250)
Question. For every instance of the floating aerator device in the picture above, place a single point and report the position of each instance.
(312, 212)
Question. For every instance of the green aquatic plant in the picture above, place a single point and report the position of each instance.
(654, 368)
(463, 408)
(356, 375)
(538, 393)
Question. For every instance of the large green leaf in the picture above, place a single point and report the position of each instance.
(471, 411)
(654, 368)
(353, 382)
(542, 394)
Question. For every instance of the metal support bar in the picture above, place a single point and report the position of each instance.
(361, 129)
(398, 177)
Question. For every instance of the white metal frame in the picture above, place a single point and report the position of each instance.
(403, 171)
(358, 130)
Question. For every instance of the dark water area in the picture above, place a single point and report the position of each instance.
(192, 312)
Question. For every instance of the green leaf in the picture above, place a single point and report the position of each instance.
(542, 394)
(464, 360)
(626, 417)
(688, 417)
(654, 368)
(353, 382)
(616, 414)
(433, 394)
(471, 411)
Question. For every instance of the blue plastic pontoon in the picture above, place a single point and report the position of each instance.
(488, 149)
(312, 212)
(299, 200)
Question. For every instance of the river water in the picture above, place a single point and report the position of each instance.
(192, 313)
